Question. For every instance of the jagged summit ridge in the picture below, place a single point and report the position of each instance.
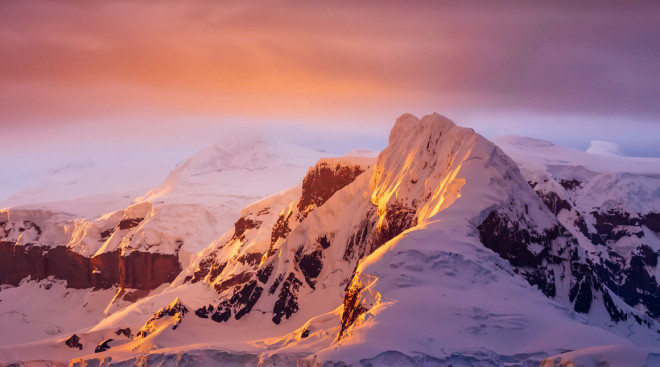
(421, 163)
(413, 179)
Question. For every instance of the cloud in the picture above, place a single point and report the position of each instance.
(76, 60)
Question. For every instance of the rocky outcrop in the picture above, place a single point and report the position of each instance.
(129, 223)
(322, 181)
(169, 316)
(628, 275)
(242, 225)
(125, 332)
(138, 270)
(611, 216)
(352, 309)
(103, 346)
(287, 301)
(532, 253)
(74, 342)
(652, 221)
(239, 272)
(98, 254)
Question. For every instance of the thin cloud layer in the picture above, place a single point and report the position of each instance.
(77, 60)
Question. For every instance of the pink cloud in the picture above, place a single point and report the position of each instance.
(77, 60)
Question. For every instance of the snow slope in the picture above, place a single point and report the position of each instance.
(90, 189)
(195, 205)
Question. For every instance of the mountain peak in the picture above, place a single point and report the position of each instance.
(408, 124)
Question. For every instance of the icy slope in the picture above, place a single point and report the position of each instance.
(233, 174)
(90, 188)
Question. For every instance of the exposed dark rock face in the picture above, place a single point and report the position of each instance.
(133, 296)
(641, 287)
(311, 265)
(245, 298)
(633, 280)
(232, 281)
(103, 346)
(106, 234)
(276, 284)
(222, 314)
(613, 218)
(323, 241)
(242, 225)
(139, 270)
(594, 237)
(206, 267)
(74, 342)
(250, 259)
(125, 332)
(369, 236)
(628, 275)
(280, 230)
(264, 273)
(144, 270)
(216, 269)
(176, 310)
(652, 221)
(615, 314)
(554, 202)
(130, 223)
(356, 242)
(203, 312)
(582, 283)
(287, 301)
(398, 218)
(513, 242)
(322, 181)
(609, 225)
(240, 303)
(18, 262)
(352, 309)
(570, 185)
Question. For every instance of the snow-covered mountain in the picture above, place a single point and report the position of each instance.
(444, 250)
(91, 188)
(610, 204)
(145, 245)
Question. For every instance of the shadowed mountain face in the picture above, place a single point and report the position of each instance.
(621, 247)
(610, 205)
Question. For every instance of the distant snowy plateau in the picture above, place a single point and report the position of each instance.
(446, 249)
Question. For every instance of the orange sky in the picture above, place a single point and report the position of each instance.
(77, 72)
(79, 60)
